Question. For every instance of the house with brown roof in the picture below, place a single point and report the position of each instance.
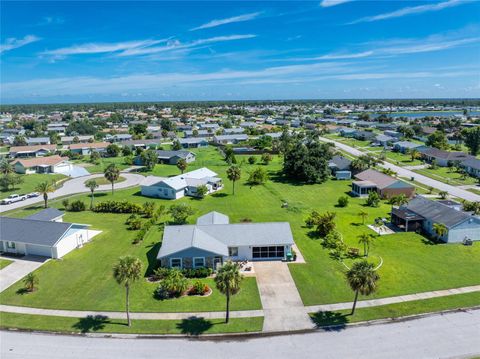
(386, 186)
(31, 151)
(49, 164)
(86, 148)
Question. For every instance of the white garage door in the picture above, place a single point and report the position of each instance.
(39, 250)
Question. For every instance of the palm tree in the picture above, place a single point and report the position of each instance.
(234, 173)
(126, 271)
(363, 215)
(414, 154)
(362, 278)
(440, 229)
(399, 200)
(112, 173)
(5, 167)
(92, 185)
(366, 240)
(44, 189)
(228, 280)
(443, 194)
(30, 281)
(182, 165)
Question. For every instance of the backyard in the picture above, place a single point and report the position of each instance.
(411, 263)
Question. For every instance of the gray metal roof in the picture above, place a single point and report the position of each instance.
(216, 238)
(340, 162)
(47, 214)
(32, 231)
(169, 154)
(436, 211)
(213, 218)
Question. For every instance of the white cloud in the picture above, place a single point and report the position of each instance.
(411, 11)
(49, 20)
(14, 43)
(230, 20)
(98, 48)
(339, 56)
(426, 46)
(177, 45)
(329, 3)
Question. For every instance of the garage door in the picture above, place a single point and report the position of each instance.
(268, 252)
(39, 250)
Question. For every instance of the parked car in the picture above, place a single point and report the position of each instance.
(14, 198)
(33, 194)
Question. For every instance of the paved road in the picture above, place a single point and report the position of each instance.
(75, 186)
(403, 172)
(420, 338)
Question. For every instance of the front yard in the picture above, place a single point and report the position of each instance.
(447, 175)
(30, 182)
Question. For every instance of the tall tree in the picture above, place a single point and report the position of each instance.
(149, 159)
(472, 140)
(5, 167)
(92, 185)
(234, 173)
(227, 280)
(362, 278)
(182, 165)
(127, 270)
(112, 173)
(44, 188)
(438, 139)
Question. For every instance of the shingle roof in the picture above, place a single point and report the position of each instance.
(46, 214)
(436, 212)
(170, 154)
(16, 149)
(213, 218)
(445, 155)
(76, 146)
(472, 163)
(381, 180)
(41, 161)
(340, 162)
(32, 231)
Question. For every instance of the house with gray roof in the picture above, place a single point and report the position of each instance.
(230, 139)
(42, 234)
(186, 184)
(405, 146)
(472, 166)
(213, 240)
(172, 157)
(422, 214)
(442, 157)
(193, 142)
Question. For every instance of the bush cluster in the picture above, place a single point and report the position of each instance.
(197, 272)
(117, 207)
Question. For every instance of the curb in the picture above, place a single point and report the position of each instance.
(249, 335)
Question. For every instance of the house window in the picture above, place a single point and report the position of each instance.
(233, 251)
(176, 262)
(11, 245)
(199, 262)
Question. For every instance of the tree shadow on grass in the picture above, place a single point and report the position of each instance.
(313, 234)
(23, 291)
(219, 195)
(356, 224)
(194, 326)
(93, 323)
(330, 321)
(100, 194)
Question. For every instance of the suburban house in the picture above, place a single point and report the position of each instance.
(87, 148)
(172, 157)
(145, 143)
(233, 131)
(230, 139)
(340, 167)
(384, 140)
(49, 164)
(182, 185)
(405, 146)
(68, 140)
(32, 141)
(422, 213)
(42, 234)
(364, 135)
(119, 137)
(472, 166)
(443, 158)
(31, 151)
(213, 240)
(347, 132)
(198, 133)
(386, 186)
(193, 142)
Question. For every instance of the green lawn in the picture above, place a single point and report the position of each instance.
(397, 310)
(401, 159)
(446, 175)
(349, 141)
(102, 180)
(104, 162)
(474, 190)
(30, 182)
(411, 263)
(192, 326)
(4, 263)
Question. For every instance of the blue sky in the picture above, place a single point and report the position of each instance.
(160, 51)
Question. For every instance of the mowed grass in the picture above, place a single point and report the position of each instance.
(411, 263)
(30, 182)
(102, 180)
(397, 310)
(446, 175)
(194, 326)
(4, 263)
(103, 163)
(402, 159)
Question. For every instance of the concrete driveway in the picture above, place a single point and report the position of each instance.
(19, 269)
(282, 306)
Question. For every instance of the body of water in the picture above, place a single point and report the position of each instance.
(427, 113)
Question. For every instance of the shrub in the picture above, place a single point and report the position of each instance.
(197, 272)
(134, 222)
(174, 285)
(266, 158)
(198, 288)
(312, 219)
(202, 191)
(343, 201)
(77, 206)
(139, 236)
(180, 213)
(65, 203)
(117, 207)
(148, 209)
(160, 273)
(258, 176)
(252, 160)
(373, 200)
(331, 239)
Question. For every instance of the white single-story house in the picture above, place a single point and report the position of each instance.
(405, 146)
(67, 140)
(42, 234)
(214, 240)
(193, 142)
(472, 167)
(32, 141)
(86, 148)
(172, 157)
(50, 164)
(182, 185)
(230, 139)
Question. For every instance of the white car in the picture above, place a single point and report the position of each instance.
(33, 194)
(14, 198)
